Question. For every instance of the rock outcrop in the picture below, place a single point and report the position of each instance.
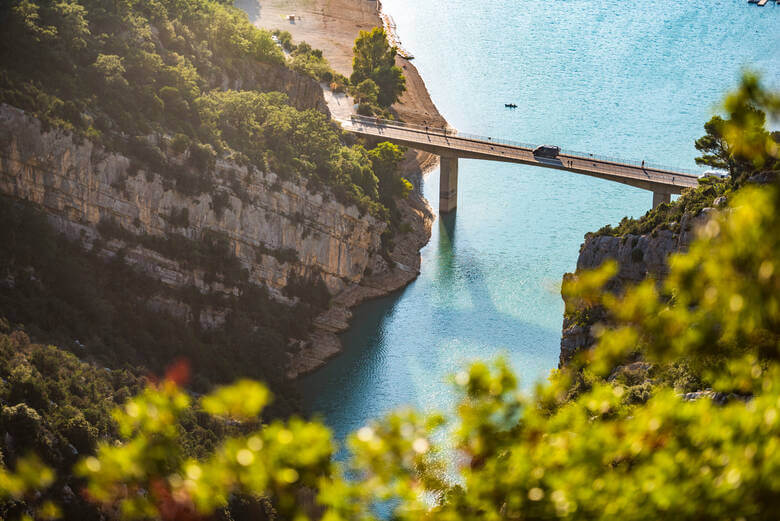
(638, 257)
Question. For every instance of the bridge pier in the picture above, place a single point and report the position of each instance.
(448, 183)
(661, 197)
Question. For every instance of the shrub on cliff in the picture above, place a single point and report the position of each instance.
(669, 216)
(311, 62)
(719, 150)
(385, 158)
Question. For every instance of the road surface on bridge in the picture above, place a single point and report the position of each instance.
(451, 143)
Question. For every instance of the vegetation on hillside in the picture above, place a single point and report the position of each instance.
(550, 455)
(669, 216)
(56, 407)
(60, 409)
(104, 310)
(130, 66)
(147, 79)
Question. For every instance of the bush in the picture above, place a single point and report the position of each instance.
(219, 201)
(180, 143)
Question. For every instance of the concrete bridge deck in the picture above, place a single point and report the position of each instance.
(451, 145)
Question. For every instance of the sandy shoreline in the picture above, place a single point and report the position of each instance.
(332, 26)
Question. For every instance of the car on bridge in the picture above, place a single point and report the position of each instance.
(720, 174)
(550, 151)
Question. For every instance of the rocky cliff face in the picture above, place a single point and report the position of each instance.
(638, 257)
(81, 184)
(304, 92)
(279, 230)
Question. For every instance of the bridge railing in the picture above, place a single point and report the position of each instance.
(649, 165)
(400, 124)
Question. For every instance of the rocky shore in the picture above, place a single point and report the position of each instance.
(333, 26)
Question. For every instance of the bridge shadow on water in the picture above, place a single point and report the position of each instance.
(482, 322)
(401, 348)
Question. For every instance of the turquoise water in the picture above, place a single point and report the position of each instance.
(631, 79)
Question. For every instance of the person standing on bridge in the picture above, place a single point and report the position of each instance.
(643, 164)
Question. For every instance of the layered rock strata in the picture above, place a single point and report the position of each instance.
(279, 230)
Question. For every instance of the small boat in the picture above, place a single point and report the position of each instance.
(510, 105)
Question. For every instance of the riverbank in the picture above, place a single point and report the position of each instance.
(333, 26)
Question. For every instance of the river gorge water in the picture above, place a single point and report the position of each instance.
(629, 79)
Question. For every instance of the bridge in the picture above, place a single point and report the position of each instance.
(451, 145)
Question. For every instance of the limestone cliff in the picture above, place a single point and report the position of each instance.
(280, 231)
(638, 257)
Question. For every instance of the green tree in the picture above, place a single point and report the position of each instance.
(385, 158)
(25, 22)
(111, 69)
(714, 147)
(285, 40)
(753, 148)
(71, 20)
(367, 91)
(374, 59)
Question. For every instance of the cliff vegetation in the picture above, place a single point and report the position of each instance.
(194, 77)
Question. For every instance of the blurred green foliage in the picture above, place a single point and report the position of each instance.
(148, 475)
